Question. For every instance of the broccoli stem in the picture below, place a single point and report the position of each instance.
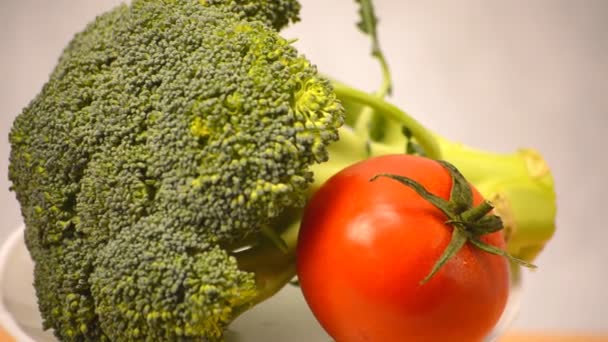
(273, 267)
(423, 136)
(368, 121)
(521, 187)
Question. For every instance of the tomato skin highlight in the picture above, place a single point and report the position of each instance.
(364, 247)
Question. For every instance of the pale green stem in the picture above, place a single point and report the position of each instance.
(424, 137)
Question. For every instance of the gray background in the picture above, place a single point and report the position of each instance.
(494, 74)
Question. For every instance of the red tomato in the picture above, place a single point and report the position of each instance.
(364, 248)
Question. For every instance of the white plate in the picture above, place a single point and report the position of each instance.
(284, 317)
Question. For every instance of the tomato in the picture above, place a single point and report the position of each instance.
(364, 248)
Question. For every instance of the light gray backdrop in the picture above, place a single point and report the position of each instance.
(493, 74)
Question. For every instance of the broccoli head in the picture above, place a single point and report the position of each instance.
(168, 131)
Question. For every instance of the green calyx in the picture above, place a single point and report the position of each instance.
(470, 222)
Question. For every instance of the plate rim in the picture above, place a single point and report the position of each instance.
(7, 321)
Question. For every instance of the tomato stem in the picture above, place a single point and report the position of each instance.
(469, 222)
(446, 207)
(459, 239)
(476, 213)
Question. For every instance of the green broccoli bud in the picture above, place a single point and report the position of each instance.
(155, 281)
(275, 13)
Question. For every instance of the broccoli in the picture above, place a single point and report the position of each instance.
(163, 169)
(168, 130)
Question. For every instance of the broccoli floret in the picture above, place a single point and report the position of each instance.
(275, 13)
(168, 130)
